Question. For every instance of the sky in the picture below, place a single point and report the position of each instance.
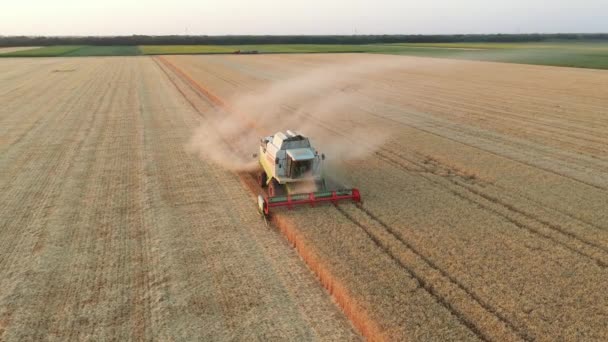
(275, 17)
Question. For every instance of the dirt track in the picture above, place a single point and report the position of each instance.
(484, 213)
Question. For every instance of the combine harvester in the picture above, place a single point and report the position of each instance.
(291, 170)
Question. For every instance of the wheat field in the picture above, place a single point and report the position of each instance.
(112, 231)
(485, 190)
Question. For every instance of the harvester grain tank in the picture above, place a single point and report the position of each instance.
(291, 170)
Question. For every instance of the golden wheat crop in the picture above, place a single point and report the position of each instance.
(486, 200)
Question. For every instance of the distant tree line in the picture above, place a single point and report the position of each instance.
(7, 41)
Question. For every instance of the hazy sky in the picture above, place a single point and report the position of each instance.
(124, 17)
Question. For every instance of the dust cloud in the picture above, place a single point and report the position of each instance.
(326, 104)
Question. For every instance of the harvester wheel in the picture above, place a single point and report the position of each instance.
(275, 189)
(262, 179)
(320, 185)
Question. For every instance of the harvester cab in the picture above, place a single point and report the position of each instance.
(291, 170)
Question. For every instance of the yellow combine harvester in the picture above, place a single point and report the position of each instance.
(291, 169)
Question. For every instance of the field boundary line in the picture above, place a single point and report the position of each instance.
(204, 93)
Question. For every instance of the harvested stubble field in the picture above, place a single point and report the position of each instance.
(484, 214)
(111, 231)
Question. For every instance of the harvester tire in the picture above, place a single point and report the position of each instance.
(262, 179)
(320, 185)
(275, 189)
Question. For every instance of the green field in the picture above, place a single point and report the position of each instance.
(76, 50)
(105, 51)
(570, 54)
(582, 54)
(48, 51)
(269, 48)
